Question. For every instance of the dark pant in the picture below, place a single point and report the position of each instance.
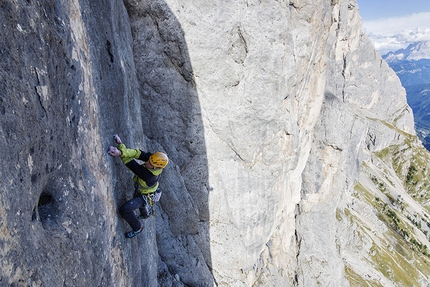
(127, 210)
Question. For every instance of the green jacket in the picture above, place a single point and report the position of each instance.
(145, 179)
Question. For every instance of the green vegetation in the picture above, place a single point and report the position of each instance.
(355, 280)
(397, 261)
(390, 216)
(410, 176)
(412, 165)
(395, 267)
(397, 178)
(403, 261)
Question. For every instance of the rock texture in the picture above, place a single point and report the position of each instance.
(68, 82)
(281, 122)
(412, 65)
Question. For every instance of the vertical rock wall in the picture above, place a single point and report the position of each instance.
(68, 83)
(285, 91)
(265, 108)
(361, 95)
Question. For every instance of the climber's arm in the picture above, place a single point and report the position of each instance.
(128, 154)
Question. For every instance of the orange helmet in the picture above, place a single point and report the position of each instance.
(158, 160)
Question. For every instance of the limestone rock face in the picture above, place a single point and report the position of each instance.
(68, 83)
(279, 118)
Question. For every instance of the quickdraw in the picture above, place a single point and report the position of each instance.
(149, 201)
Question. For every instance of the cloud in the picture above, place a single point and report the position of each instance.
(391, 34)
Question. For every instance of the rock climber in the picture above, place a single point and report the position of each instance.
(146, 180)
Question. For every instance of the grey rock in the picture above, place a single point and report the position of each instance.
(272, 113)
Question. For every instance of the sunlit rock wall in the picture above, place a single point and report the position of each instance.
(290, 94)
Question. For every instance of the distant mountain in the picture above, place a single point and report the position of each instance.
(414, 52)
(412, 66)
(418, 97)
(412, 72)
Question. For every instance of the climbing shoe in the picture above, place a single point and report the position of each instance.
(133, 233)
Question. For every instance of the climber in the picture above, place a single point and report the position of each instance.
(146, 177)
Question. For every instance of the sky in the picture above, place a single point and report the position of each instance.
(394, 24)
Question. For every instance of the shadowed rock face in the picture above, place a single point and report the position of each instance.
(55, 205)
(62, 74)
(69, 82)
(266, 110)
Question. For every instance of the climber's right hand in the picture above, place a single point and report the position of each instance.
(113, 151)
